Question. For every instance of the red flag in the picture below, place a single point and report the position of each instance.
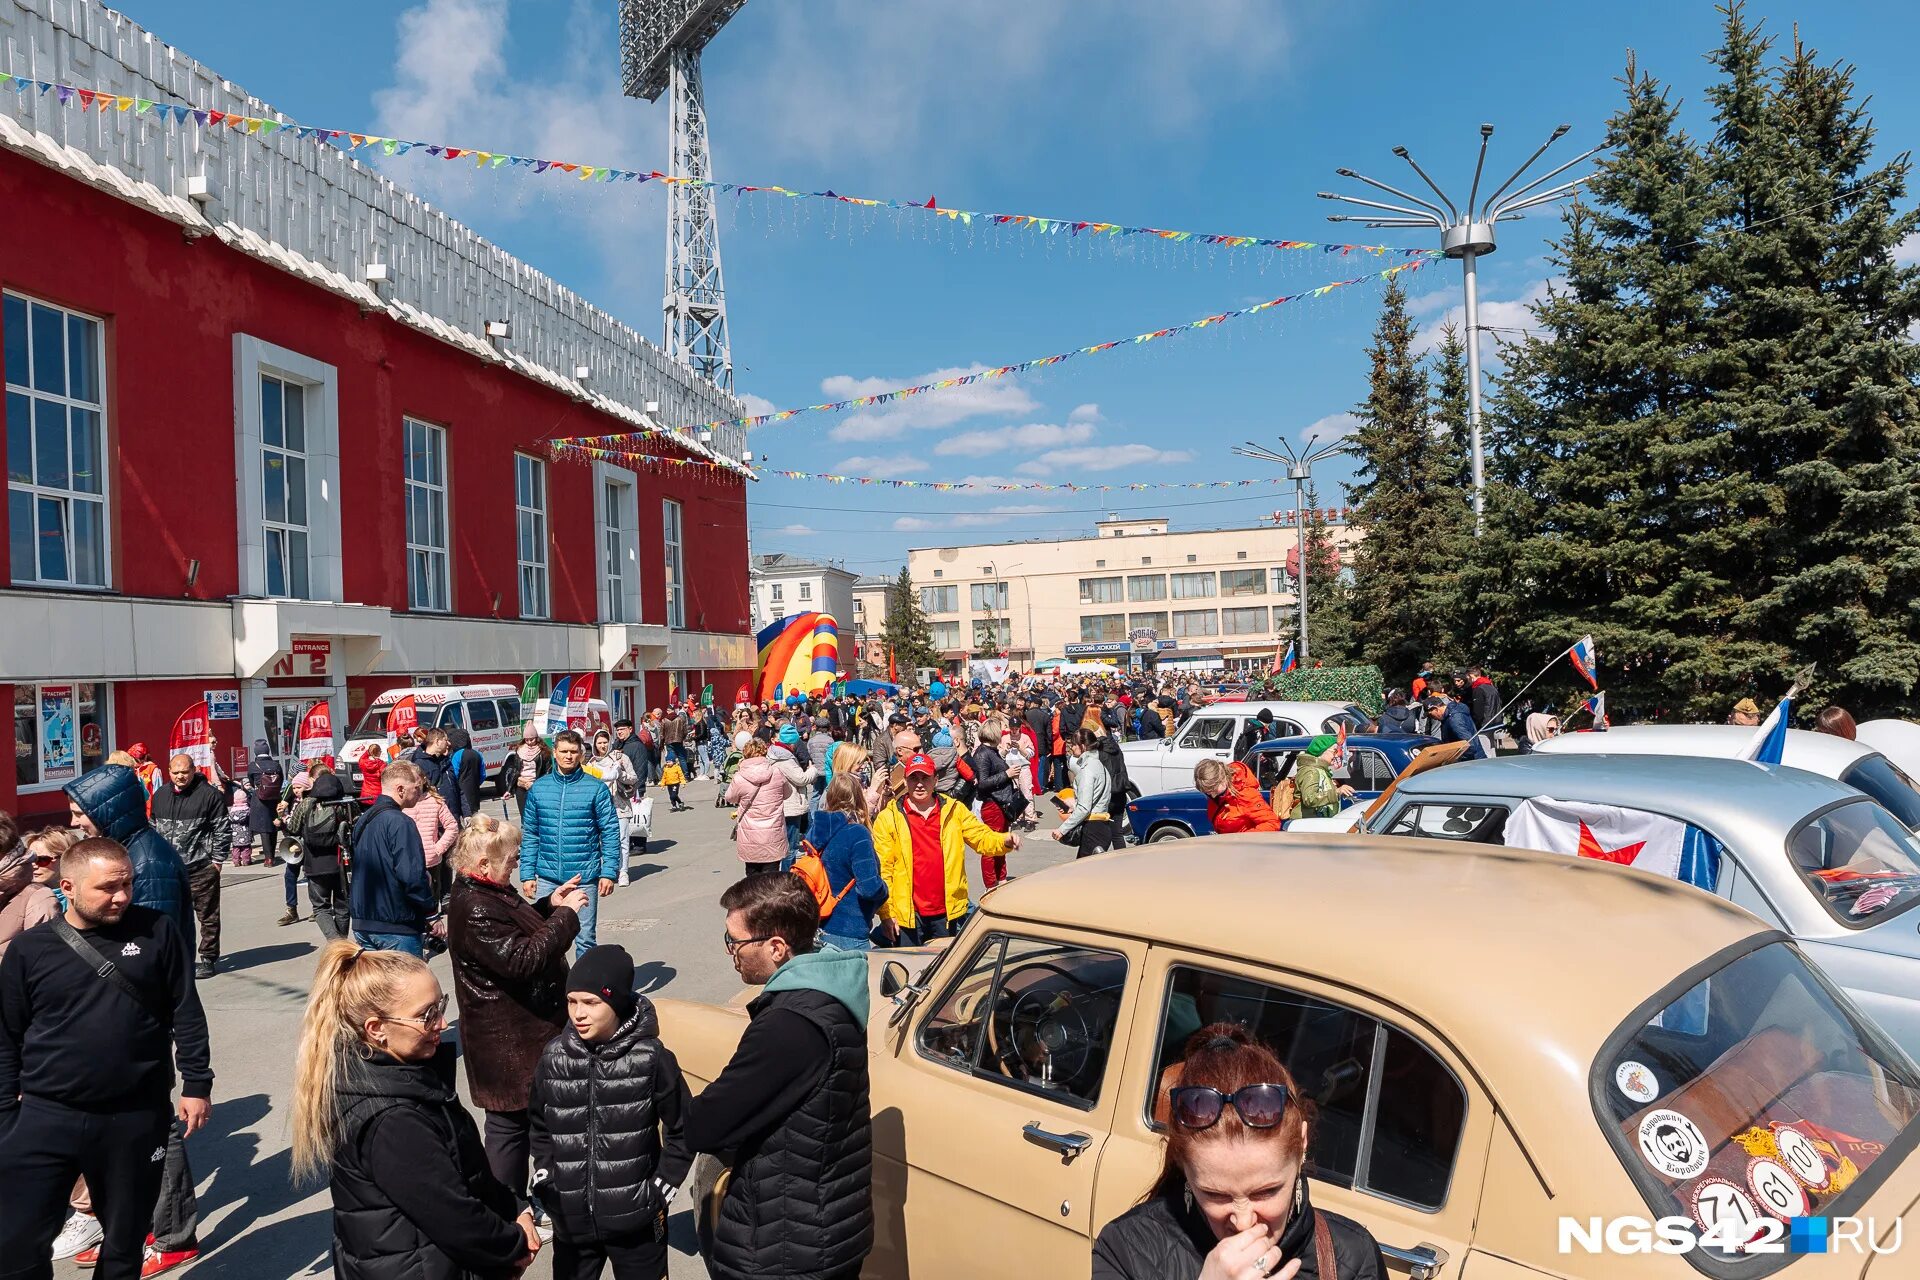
(893, 674)
(403, 719)
(192, 736)
(316, 734)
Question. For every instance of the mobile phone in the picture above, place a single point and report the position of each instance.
(1061, 805)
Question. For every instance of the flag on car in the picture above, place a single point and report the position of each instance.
(1596, 706)
(1585, 661)
(1338, 756)
(1606, 833)
(1770, 739)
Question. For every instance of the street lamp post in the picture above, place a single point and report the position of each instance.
(1299, 470)
(1466, 234)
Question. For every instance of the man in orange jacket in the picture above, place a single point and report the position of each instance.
(1234, 802)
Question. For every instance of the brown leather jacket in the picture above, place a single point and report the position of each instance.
(510, 982)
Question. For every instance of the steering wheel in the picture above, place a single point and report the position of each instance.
(1017, 1052)
(1052, 1033)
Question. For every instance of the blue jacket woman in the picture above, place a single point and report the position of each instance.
(847, 854)
(115, 802)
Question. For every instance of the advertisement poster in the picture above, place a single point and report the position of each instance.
(59, 747)
(403, 719)
(192, 737)
(222, 704)
(316, 734)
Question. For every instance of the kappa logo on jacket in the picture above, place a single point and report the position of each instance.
(131, 949)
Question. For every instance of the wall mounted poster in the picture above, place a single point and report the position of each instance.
(59, 747)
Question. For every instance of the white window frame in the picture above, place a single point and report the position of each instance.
(1265, 628)
(940, 600)
(673, 529)
(616, 517)
(435, 558)
(1119, 629)
(1183, 585)
(1185, 630)
(990, 597)
(70, 495)
(541, 608)
(1002, 629)
(941, 637)
(320, 407)
(806, 591)
(776, 597)
(107, 732)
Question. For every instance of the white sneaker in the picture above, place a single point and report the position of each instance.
(82, 1231)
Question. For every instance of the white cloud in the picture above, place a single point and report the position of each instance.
(793, 531)
(1425, 304)
(1102, 457)
(1907, 252)
(1502, 316)
(1034, 435)
(932, 410)
(1085, 413)
(971, 519)
(757, 405)
(883, 468)
(1335, 426)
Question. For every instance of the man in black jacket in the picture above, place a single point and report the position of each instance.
(464, 768)
(87, 1067)
(791, 1111)
(635, 750)
(194, 819)
(393, 901)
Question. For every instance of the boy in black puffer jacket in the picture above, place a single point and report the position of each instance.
(605, 1175)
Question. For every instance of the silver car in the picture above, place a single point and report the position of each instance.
(1807, 854)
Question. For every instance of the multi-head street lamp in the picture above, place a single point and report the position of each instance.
(1465, 233)
(1299, 467)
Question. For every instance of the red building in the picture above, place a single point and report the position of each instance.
(264, 449)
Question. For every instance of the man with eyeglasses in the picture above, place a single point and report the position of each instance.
(791, 1112)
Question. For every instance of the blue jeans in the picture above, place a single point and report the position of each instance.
(290, 876)
(929, 928)
(589, 914)
(832, 942)
(796, 831)
(407, 942)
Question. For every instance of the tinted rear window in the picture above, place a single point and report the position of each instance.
(1877, 776)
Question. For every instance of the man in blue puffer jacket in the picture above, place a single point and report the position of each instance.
(109, 801)
(572, 833)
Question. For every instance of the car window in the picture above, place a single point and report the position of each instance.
(373, 724)
(1368, 770)
(1033, 1014)
(510, 712)
(1272, 766)
(1756, 1091)
(451, 715)
(1401, 1146)
(1448, 820)
(1209, 733)
(1880, 778)
(485, 716)
(1861, 863)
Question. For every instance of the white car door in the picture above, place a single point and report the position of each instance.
(1206, 736)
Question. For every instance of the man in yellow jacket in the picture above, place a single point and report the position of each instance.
(921, 840)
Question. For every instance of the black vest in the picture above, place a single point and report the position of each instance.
(596, 1104)
(800, 1200)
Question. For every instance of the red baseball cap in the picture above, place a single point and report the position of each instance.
(918, 763)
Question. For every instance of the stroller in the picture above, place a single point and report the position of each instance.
(728, 764)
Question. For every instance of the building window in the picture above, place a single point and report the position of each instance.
(1154, 622)
(1103, 628)
(777, 593)
(426, 516)
(806, 591)
(1100, 591)
(530, 517)
(995, 631)
(616, 512)
(946, 635)
(1239, 555)
(989, 597)
(939, 572)
(1282, 584)
(1147, 560)
(284, 488)
(674, 529)
(1150, 586)
(56, 445)
(1099, 564)
(1192, 586)
(1190, 623)
(1243, 582)
(1119, 533)
(940, 600)
(60, 731)
(1244, 622)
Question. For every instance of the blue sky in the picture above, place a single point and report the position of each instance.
(1228, 118)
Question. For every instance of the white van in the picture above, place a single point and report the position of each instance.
(490, 713)
(599, 716)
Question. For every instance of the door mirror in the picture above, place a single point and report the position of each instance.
(893, 978)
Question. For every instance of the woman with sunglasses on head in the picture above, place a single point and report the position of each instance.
(1231, 1202)
(24, 901)
(374, 1107)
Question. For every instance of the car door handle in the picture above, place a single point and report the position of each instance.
(1423, 1261)
(1068, 1145)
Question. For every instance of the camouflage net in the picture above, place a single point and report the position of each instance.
(1359, 685)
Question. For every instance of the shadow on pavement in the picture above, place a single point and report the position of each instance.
(230, 1147)
(653, 975)
(643, 870)
(660, 844)
(254, 957)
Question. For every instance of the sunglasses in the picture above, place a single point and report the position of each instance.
(434, 1012)
(1259, 1106)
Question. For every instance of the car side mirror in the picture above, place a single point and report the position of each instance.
(893, 978)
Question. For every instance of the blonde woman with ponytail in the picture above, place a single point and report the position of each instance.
(374, 1109)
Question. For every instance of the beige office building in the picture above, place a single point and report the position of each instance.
(1205, 600)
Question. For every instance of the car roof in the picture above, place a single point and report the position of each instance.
(1715, 794)
(1492, 947)
(1292, 710)
(436, 693)
(1818, 752)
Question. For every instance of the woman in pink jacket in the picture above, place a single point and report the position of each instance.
(438, 829)
(761, 792)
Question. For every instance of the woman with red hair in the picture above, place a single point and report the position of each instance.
(1231, 1202)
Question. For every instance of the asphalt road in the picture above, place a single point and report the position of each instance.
(253, 1222)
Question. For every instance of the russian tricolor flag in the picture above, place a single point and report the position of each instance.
(1770, 739)
(1289, 662)
(1585, 661)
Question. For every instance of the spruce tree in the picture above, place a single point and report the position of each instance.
(1330, 639)
(909, 635)
(1408, 506)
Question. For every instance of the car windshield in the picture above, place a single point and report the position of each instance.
(1877, 776)
(1862, 864)
(373, 724)
(1758, 1091)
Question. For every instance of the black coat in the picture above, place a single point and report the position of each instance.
(1165, 1239)
(195, 822)
(466, 769)
(412, 1197)
(596, 1112)
(264, 783)
(1151, 726)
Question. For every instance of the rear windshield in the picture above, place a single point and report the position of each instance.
(1758, 1092)
(1862, 864)
(1877, 776)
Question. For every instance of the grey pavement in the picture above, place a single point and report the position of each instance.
(253, 1224)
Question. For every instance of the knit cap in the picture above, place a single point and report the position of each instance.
(605, 971)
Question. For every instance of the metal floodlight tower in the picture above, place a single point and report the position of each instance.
(1299, 470)
(1466, 234)
(660, 44)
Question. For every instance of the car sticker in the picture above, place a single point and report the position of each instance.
(1802, 1157)
(1673, 1144)
(1720, 1206)
(1778, 1191)
(1636, 1080)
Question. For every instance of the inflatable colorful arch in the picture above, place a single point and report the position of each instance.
(799, 653)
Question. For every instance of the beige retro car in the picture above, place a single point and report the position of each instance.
(1522, 1063)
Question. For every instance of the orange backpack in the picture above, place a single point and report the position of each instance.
(812, 870)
